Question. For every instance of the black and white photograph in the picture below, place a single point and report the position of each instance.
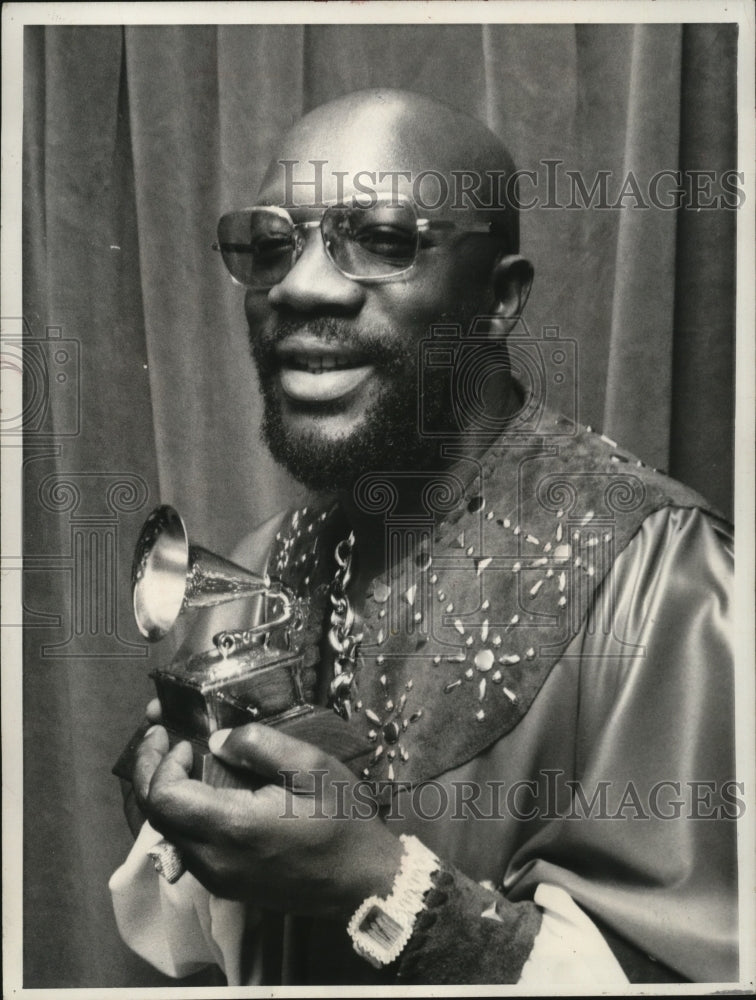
(377, 428)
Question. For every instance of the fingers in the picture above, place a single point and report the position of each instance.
(179, 807)
(175, 766)
(189, 812)
(150, 752)
(154, 713)
(132, 812)
(267, 750)
(157, 769)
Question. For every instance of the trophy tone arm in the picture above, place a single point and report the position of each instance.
(252, 551)
(211, 684)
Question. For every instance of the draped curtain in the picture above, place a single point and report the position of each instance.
(138, 383)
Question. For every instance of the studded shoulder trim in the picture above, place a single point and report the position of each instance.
(488, 590)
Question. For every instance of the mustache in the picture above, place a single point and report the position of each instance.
(327, 328)
(380, 345)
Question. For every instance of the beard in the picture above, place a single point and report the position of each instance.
(388, 438)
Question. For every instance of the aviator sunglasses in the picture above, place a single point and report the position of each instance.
(367, 242)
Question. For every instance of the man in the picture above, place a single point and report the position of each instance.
(527, 627)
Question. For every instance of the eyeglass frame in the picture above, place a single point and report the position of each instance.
(423, 225)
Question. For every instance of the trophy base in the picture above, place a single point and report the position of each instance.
(259, 682)
(312, 724)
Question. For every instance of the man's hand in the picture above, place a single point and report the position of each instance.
(296, 847)
(134, 816)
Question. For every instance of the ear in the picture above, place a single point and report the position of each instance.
(512, 279)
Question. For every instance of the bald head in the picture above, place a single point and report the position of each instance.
(451, 165)
(342, 301)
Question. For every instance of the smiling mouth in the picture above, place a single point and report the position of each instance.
(310, 373)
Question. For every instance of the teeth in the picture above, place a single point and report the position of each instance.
(316, 364)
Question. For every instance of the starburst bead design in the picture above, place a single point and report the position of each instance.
(551, 583)
(389, 724)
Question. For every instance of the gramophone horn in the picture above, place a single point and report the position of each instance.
(169, 574)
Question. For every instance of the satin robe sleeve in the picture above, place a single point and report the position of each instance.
(629, 746)
(655, 719)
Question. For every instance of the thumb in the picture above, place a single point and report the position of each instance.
(268, 751)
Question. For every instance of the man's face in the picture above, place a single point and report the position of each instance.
(338, 359)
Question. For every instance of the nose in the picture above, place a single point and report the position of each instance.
(315, 284)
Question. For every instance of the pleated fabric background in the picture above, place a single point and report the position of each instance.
(139, 387)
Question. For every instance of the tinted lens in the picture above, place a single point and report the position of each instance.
(371, 242)
(257, 245)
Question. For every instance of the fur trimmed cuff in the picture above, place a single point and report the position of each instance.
(468, 934)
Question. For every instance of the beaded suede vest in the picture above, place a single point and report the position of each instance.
(487, 588)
